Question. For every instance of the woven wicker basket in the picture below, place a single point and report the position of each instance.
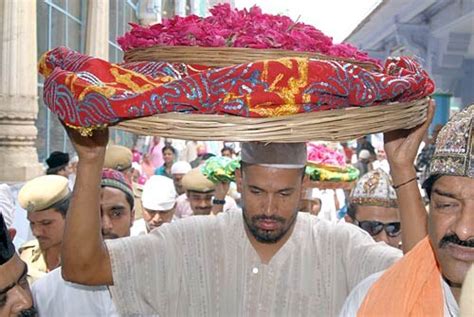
(332, 125)
(223, 56)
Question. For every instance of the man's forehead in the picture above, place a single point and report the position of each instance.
(47, 214)
(461, 187)
(201, 194)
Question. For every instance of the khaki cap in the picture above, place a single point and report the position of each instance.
(118, 157)
(196, 181)
(43, 192)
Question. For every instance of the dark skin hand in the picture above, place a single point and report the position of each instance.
(84, 254)
(401, 147)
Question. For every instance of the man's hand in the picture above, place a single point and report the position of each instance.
(89, 148)
(401, 146)
(221, 191)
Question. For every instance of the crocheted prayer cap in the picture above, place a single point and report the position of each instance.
(116, 179)
(374, 189)
(7, 250)
(454, 152)
(281, 155)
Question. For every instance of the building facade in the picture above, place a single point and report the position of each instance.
(438, 32)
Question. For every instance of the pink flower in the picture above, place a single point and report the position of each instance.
(238, 28)
(321, 154)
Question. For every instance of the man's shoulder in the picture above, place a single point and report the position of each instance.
(357, 295)
(29, 246)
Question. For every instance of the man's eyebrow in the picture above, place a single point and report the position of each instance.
(443, 193)
(23, 274)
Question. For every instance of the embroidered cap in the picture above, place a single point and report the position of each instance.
(116, 179)
(374, 189)
(454, 151)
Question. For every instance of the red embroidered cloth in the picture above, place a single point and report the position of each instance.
(88, 92)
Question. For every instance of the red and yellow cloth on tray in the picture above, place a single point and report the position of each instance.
(87, 92)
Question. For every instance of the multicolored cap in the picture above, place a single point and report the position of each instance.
(454, 152)
(116, 179)
(374, 189)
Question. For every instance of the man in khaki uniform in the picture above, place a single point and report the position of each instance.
(119, 158)
(46, 200)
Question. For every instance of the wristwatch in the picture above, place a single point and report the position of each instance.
(218, 202)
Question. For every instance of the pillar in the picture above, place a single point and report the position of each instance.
(97, 31)
(18, 91)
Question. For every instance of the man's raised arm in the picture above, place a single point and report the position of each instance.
(84, 255)
(401, 147)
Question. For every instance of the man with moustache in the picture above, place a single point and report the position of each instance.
(46, 200)
(266, 260)
(54, 296)
(203, 197)
(15, 295)
(158, 202)
(428, 280)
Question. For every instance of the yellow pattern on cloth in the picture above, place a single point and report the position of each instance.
(286, 93)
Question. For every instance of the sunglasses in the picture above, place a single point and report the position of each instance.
(392, 229)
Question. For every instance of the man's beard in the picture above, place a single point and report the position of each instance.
(109, 236)
(268, 236)
(454, 239)
(30, 312)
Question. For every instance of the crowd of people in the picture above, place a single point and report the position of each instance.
(125, 232)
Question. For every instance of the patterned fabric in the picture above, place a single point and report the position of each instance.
(206, 266)
(454, 154)
(88, 92)
(374, 189)
(116, 179)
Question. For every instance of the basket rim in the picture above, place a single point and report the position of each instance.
(328, 125)
(131, 55)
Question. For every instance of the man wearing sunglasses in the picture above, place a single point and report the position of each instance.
(373, 207)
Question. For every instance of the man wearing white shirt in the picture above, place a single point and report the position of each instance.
(54, 296)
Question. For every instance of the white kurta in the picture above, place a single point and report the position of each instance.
(54, 297)
(357, 296)
(206, 266)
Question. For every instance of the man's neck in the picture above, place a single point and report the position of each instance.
(456, 292)
(266, 251)
(52, 257)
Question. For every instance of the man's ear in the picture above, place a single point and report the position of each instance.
(12, 233)
(348, 219)
(238, 180)
(132, 217)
